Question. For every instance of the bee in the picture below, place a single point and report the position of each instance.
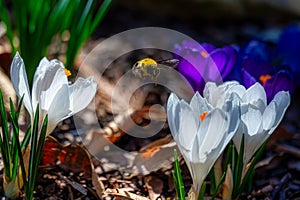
(148, 67)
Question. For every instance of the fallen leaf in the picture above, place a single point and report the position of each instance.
(121, 194)
(157, 155)
(97, 183)
(227, 185)
(74, 157)
(7, 89)
(155, 186)
(75, 185)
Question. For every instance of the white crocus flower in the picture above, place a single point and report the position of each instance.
(258, 119)
(51, 90)
(201, 131)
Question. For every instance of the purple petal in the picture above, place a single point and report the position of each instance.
(247, 79)
(208, 47)
(231, 53)
(220, 59)
(258, 50)
(288, 48)
(256, 69)
(281, 81)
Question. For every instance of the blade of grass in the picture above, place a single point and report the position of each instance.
(14, 139)
(176, 184)
(5, 139)
(238, 168)
(202, 191)
(39, 149)
(34, 139)
(219, 185)
(212, 180)
(26, 139)
(15, 126)
(250, 171)
(99, 16)
(179, 177)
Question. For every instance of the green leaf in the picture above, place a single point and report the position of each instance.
(202, 191)
(15, 126)
(212, 180)
(178, 178)
(250, 172)
(39, 149)
(219, 185)
(237, 174)
(26, 139)
(32, 157)
(4, 141)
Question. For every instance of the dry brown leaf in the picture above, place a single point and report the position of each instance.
(227, 185)
(75, 185)
(157, 155)
(121, 194)
(2, 29)
(76, 158)
(97, 183)
(155, 186)
(7, 89)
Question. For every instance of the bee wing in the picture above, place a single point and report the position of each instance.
(169, 62)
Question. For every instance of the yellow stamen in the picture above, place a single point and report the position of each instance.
(68, 72)
(263, 78)
(203, 115)
(204, 54)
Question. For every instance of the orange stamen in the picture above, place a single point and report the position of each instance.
(204, 54)
(203, 115)
(263, 78)
(68, 72)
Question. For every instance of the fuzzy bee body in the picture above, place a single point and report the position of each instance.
(148, 67)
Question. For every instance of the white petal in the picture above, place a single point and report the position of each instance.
(209, 88)
(41, 69)
(59, 80)
(254, 93)
(198, 171)
(252, 119)
(253, 143)
(49, 77)
(81, 94)
(218, 125)
(59, 107)
(20, 83)
(237, 138)
(269, 116)
(188, 126)
(237, 89)
(199, 104)
(282, 100)
(214, 94)
(173, 109)
(232, 107)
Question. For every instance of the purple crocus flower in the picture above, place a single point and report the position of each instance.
(256, 66)
(202, 63)
(288, 48)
